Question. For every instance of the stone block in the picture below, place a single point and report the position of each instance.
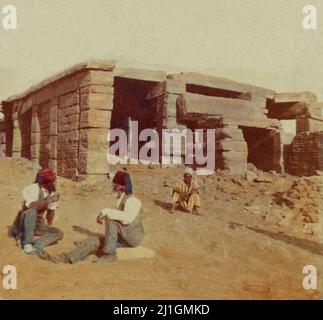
(103, 89)
(45, 94)
(70, 110)
(52, 164)
(70, 99)
(35, 138)
(98, 101)
(97, 162)
(53, 147)
(34, 150)
(53, 129)
(93, 139)
(95, 118)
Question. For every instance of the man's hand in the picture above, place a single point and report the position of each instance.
(183, 196)
(100, 218)
(50, 217)
(53, 198)
(195, 190)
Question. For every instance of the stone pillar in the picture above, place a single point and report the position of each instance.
(2, 140)
(65, 145)
(232, 150)
(96, 104)
(53, 140)
(166, 94)
(16, 142)
(35, 135)
(278, 151)
(2, 133)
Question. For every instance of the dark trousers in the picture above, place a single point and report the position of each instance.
(31, 224)
(116, 235)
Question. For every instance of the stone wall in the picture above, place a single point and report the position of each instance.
(63, 123)
(2, 140)
(305, 154)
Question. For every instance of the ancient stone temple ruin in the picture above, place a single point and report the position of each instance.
(62, 123)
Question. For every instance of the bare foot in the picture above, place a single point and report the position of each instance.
(172, 209)
(196, 211)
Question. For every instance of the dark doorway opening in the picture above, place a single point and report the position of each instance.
(25, 130)
(260, 144)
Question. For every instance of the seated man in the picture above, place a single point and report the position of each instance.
(185, 194)
(123, 226)
(39, 198)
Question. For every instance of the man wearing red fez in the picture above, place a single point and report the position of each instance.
(123, 226)
(39, 198)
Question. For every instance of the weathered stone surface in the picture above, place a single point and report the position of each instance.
(287, 111)
(305, 154)
(35, 125)
(53, 147)
(307, 124)
(234, 111)
(263, 177)
(97, 163)
(170, 105)
(232, 132)
(34, 149)
(221, 83)
(70, 99)
(251, 176)
(93, 151)
(169, 86)
(69, 110)
(230, 144)
(140, 74)
(97, 101)
(28, 104)
(35, 138)
(104, 89)
(70, 84)
(16, 142)
(52, 164)
(237, 167)
(53, 129)
(94, 139)
(95, 118)
(294, 97)
(100, 77)
(45, 94)
(235, 155)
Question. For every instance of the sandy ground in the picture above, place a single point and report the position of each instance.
(252, 242)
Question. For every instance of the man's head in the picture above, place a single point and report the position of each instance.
(121, 183)
(46, 178)
(188, 175)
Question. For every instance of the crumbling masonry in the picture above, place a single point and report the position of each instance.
(63, 122)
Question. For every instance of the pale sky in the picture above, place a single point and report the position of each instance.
(261, 42)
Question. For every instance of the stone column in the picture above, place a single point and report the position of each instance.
(95, 121)
(2, 140)
(35, 135)
(53, 134)
(16, 142)
(278, 151)
(232, 150)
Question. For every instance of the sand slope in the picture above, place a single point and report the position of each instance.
(249, 243)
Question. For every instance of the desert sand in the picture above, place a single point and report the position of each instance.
(253, 240)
